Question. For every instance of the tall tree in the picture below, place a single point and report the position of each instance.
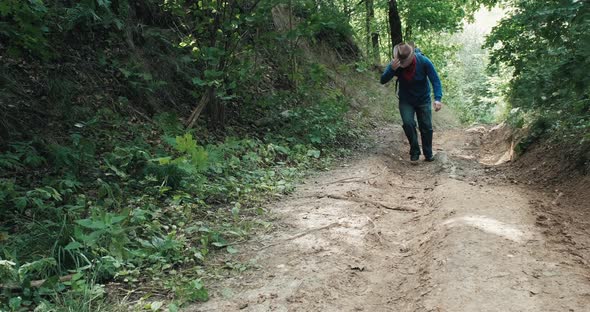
(542, 40)
(220, 25)
(395, 23)
(420, 17)
(372, 33)
(368, 19)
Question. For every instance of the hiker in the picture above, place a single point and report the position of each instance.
(413, 70)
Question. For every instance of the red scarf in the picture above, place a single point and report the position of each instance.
(410, 71)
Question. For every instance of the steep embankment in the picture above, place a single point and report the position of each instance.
(110, 197)
(379, 234)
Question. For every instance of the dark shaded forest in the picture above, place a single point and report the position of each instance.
(141, 138)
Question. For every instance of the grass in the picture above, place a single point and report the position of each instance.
(145, 206)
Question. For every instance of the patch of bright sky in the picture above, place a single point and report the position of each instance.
(485, 20)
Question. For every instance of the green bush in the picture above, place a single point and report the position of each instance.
(111, 210)
(24, 26)
(549, 60)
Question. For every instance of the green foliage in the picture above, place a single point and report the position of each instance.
(474, 93)
(433, 16)
(169, 124)
(536, 131)
(24, 26)
(113, 210)
(102, 230)
(36, 268)
(27, 24)
(323, 124)
(322, 22)
(193, 291)
(75, 157)
(438, 16)
(90, 14)
(8, 273)
(196, 156)
(140, 81)
(546, 43)
(111, 193)
(20, 155)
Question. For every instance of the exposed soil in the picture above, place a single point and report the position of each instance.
(381, 234)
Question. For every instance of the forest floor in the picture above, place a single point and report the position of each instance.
(378, 233)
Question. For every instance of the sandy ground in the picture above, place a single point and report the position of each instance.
(381, 234)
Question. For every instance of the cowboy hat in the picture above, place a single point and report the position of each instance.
(404, 53)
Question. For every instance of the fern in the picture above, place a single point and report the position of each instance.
(168, 174)
(185, 143)
(169, 124)
(28, 154)
(7, 189)
(198, 156)
(21, 154)
(10, 161)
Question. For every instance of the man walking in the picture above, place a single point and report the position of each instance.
(413, 71)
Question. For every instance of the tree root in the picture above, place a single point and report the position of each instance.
(357, 179)
(301, 234)
(374, 203)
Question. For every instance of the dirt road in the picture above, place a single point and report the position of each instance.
(380, 234)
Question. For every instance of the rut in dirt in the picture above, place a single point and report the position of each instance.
(379, 234)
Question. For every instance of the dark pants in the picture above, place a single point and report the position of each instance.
(424, 113)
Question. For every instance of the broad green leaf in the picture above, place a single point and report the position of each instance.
(313, 153)
(73, 245)
(92, 224)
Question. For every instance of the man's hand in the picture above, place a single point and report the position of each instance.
(395, 64)
(437, 105)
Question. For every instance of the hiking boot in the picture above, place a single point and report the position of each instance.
(414, 157)
(431, 158)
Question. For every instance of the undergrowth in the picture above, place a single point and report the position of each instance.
(105, 195)
(145, 205)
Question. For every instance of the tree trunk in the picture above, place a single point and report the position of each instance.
(395, 23)
(374, 35)
(216, 111)
(216, 108)
(205, 99)
(376, 53)
(368, 18)
(388, 40)
(293, 60)
(408, 32)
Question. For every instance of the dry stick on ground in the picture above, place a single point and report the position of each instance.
(374, 203)
(408, 187)
(205, 98)
(301, 234)
(36, 283)
(144, 116)
(356, 179)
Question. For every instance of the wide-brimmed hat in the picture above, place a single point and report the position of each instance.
(404, 53)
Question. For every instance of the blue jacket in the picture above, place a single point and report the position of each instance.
(416, 91)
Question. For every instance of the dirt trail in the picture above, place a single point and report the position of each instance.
(348, 240)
